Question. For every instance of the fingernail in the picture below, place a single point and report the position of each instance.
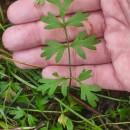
(88, 27)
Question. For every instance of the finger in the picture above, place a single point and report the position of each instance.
(32, 56)
(23, 11)
(33, 34)
(102, 75)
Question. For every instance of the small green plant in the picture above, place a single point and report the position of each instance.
(55, 48)
(23, 106)
(40, 2)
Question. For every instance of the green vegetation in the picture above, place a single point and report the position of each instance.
(57, 48)
(29, 102)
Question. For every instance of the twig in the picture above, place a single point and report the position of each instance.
(12, 60)
(5, 52)
(22, 128)
(84, 104)
(88, 107)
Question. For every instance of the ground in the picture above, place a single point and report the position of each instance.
(23, 106)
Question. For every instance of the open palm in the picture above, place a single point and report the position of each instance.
(109, 20)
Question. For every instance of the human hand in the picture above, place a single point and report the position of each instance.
(109, 20)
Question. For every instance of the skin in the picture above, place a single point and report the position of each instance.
(109, 20)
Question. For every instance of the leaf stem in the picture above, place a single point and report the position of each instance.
(111, 98)
(22, 80)
(69, 53)
(118, 123)
(33, 110)
(15, 61)
(5, 52)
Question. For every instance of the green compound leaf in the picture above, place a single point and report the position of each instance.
(80, 52)
(62, 6)
(90, 42)
(57, 127)
(76, 20)
(44, 128)
(66, 122)
(69, 124)
(52, 22)
(31, 120)
(55, 74)
(60, 54)
(55, 2)
(47, 81)
(82, 41)
(18, 113)
(64, 88)
(53, 48)
(40, 102)
(50, 85)
(40, 2)
(2, 72)
(88, 92)
(80, 37)
(124, 113)
(84, 75)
